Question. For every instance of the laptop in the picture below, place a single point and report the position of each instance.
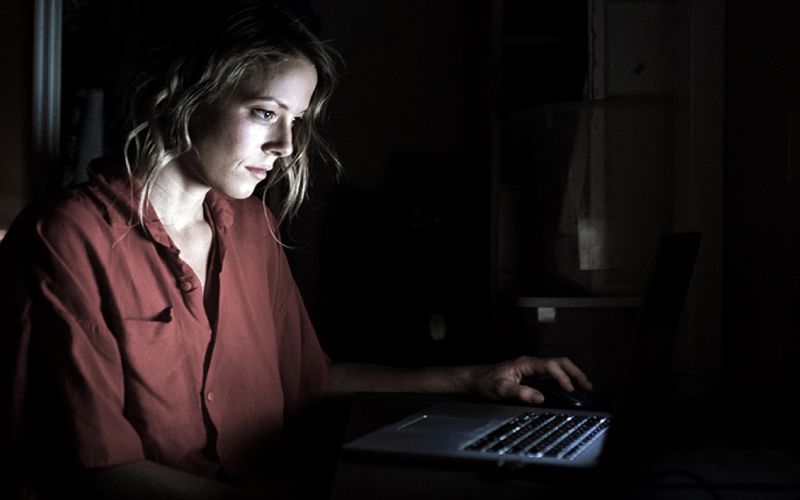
(516, 435)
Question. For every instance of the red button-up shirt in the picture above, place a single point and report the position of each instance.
(106, 315)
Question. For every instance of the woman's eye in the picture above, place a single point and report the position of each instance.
(264, 114)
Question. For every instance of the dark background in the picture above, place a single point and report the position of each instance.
(407, 234)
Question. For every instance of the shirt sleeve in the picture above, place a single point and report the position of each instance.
(305, 368)
(67, 362)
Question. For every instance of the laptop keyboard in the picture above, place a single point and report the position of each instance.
(550, 435)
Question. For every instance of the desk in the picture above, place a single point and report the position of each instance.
(696, 458)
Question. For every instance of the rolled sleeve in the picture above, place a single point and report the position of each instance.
(305, 368)
(72, 367)
(87, 370)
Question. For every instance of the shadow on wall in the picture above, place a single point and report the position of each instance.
(399, 276)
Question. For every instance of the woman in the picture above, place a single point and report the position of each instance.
(158, 340)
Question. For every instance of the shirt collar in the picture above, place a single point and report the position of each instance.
(119, 198)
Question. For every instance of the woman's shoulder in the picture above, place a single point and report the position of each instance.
(78, 206)
(72, 217)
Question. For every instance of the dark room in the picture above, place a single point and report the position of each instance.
(400, 249)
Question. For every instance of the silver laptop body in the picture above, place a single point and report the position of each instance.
(502, 434)
(487, 432)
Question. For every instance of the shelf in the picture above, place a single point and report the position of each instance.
(579, 302)
(546, 308)
(542, 40)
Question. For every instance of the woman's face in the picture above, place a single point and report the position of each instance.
(238, 138)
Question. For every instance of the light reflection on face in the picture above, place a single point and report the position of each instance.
(238, 138)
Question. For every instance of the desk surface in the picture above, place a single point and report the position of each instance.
(697, 457)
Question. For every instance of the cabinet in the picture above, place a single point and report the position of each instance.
(539, 56)
(583, 148)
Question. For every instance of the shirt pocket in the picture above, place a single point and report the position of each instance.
(160, 388)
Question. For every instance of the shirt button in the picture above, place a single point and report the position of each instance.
(210, 396)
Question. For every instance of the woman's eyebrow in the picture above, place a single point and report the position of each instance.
(280, 103)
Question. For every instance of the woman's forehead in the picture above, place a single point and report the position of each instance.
(289, 80)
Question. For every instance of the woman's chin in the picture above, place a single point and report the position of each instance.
(239, 193)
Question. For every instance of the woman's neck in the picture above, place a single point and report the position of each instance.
(178, 200)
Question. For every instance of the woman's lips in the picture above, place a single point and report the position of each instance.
(258, 172)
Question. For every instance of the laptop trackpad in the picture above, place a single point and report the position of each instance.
(426, 423)
(432, 424)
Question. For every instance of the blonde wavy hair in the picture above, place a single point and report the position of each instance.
(166, 100)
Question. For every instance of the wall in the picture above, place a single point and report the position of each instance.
(414, 81)
(15, 82)
(402, 240)
(762, 201)
(413, 94)
(698, 188)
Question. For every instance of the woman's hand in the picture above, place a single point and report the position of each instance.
(504, 380)
(497, 381)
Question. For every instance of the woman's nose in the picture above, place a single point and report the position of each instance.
(279, 142)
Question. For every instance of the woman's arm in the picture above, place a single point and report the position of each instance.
(496, 381)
